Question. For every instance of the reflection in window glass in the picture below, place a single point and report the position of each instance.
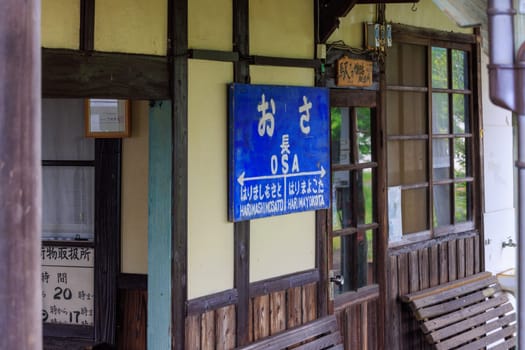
(364, 185)
(459, 70)
(341, 261)
(407, 64)
(442, 205)
(415, 210)
(407, 162)
(406, 113)
(441, 159)
(341, 200)
(439, 68)
(462, 201)
(460, 113)
(340, 126)
(440, 114)
(365, 258)
(364, 135)
(460, 158)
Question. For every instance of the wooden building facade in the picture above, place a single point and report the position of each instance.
(170, 270)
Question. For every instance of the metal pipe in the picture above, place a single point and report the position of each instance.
(521, 231)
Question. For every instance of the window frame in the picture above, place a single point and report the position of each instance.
(470, 44)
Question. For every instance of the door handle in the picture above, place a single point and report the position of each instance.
(338, 280)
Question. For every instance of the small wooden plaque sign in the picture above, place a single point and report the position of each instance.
(354, 72)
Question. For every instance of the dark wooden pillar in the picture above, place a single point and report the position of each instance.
(20, 176)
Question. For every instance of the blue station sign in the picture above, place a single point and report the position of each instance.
(279, 150)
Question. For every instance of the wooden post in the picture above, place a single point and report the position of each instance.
(20, 175)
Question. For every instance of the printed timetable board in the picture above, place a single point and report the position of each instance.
(67, 285)
(279, 150)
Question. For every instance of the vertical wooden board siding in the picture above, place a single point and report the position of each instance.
(469, 256)
(372, 324)
(277, 312)
(434, 265)
(393, 332)
(423, 269)
(294, 306)
(461, 257)
(403, 288)
(131, 332)
(250, 321)
(225, 328)
(364, 325)
(452, 261)
(443, 262)
(193, 332)
(477, 256)
(208, 330)
(413, 271)
(309, 302)
(261, 317)
(159, 226)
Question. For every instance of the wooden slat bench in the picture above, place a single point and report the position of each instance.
(469, 313)
(322, 333)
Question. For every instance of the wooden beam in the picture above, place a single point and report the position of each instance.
(107, 236)
(241, 44)
(20, 176)
(159, 225)
(76, 74)
(178, 26)
(329, 13)
(87, 25)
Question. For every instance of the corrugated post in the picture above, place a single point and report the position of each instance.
(20, 175)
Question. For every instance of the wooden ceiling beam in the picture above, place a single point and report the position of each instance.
(331, 10)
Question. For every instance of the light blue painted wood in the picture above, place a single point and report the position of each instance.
(159, 226)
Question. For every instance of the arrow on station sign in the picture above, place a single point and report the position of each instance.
(241, 179)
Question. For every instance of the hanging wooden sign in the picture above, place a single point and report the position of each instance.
(354, 72)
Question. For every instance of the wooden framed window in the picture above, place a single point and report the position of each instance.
(431, 146)
(353, 216)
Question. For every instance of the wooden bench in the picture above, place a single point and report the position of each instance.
(322, 333)
(469, 313)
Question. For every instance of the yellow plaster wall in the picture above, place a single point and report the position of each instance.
(60, 24)
(132, 26)
(210, 24)
(282, 244)
(134, 204)
(428, 15)
(282, 28)
(210, 235)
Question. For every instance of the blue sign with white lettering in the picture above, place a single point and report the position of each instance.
(279, 150)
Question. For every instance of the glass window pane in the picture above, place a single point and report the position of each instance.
(365, 258)
(440, 114)
(407, 162)
(63, 131)
(442, 205)
(364, 134)
(415, 210)
(340, 125)
(407, 113)
(463, 200)
(459, 70)
(406, 65)
(460, 113)
(365, 213)
(441, 159)
(342, 253)
(439, 68)
(341, 200)
(460, 158)
(68, 202)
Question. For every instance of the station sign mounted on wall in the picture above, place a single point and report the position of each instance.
(279, 150)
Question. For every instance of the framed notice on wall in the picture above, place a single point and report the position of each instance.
(107, 118)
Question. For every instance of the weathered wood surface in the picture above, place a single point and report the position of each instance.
(20, 176)
(322, 333)
(132, 319)
(470, 313)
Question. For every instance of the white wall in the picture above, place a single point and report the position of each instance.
(498, 188)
